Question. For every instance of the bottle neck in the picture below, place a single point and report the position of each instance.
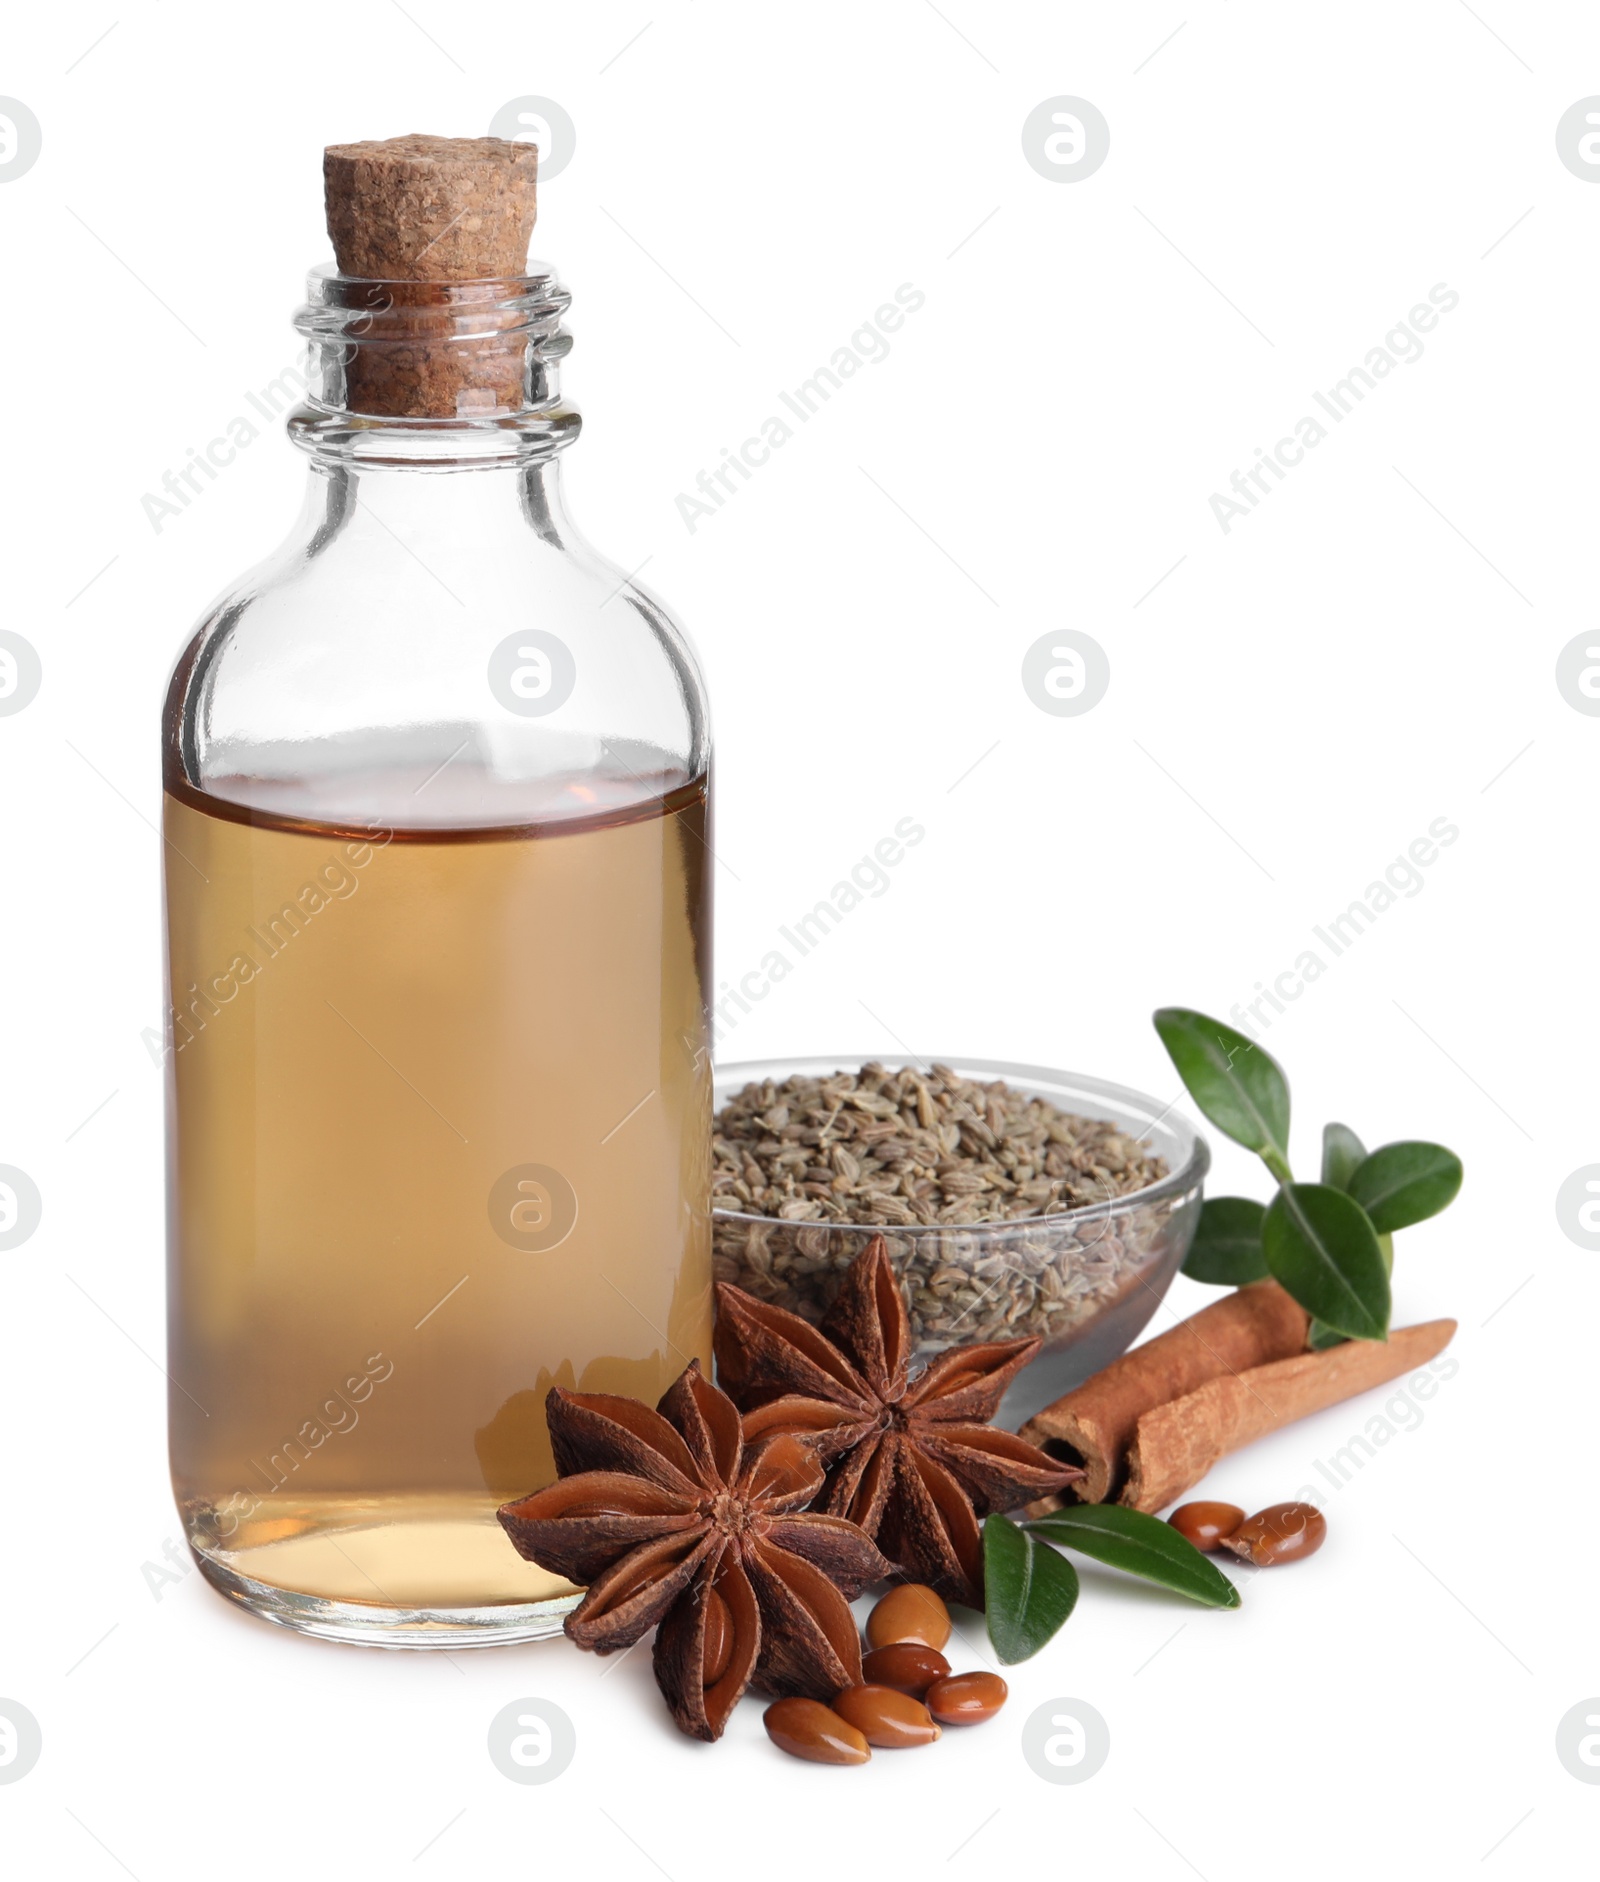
(434, 375)
(477, 515)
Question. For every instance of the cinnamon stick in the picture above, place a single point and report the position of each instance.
(1094, 1425)
(1176, 1443)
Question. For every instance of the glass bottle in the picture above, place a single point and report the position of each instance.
(438, 924)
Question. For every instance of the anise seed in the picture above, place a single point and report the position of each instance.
(909, 1612)
(1287, 1532)
(967, 1698)
(906, 1665)
(1206, 1524)
(892, 1720)
(805, 1728)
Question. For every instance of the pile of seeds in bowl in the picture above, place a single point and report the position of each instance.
(899, 1148)
(971, 1185)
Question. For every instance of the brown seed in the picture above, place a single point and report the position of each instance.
(719, 1637)
(909, 1612)
(967, 1698)
(885, 1717)
(1206, 1524)
(907, 1666)
(805, 1728)
(1287, 1532)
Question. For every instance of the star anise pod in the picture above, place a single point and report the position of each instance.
(912, 1457)
(672, 1517)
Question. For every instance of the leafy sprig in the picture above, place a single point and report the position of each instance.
(1030, 1589)
(1328, 1243)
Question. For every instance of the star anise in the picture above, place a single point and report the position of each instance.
(672, 1517)
(912, 1457)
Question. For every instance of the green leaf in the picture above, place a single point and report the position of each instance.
(1237, 1085)
(1404, 1183)
(1342, 1150)
(1226, 1250)
(1321, 1337)
(1029, 1590)
(1142, 1545)
(1321, 1247)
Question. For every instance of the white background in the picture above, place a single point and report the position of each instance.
(1372, 648)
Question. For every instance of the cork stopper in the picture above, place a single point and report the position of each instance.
(443, 224)
(431, 208)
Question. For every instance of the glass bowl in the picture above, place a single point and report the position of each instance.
(1085, 1280)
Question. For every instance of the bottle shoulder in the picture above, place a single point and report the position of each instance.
(375, 649)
